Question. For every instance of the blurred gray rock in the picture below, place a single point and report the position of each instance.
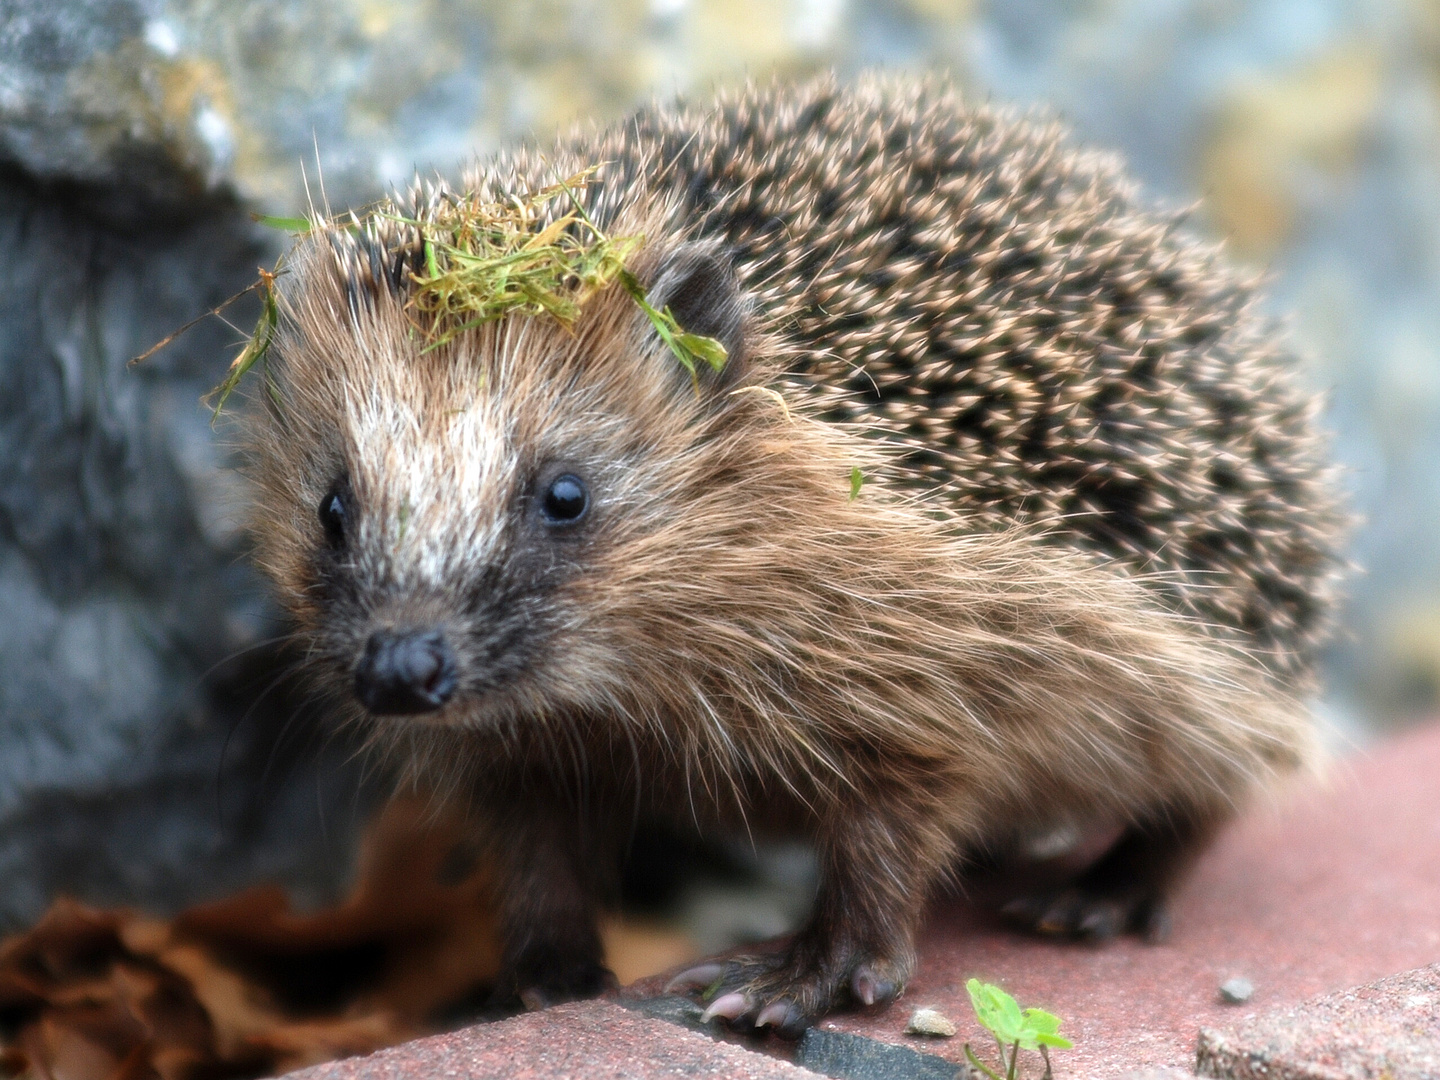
(85, 100)
(129, 622)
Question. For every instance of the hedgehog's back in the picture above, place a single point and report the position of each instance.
(1039, 345)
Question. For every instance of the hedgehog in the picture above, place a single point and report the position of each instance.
(1000, 509)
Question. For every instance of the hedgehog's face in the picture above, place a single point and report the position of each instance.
(448, 526)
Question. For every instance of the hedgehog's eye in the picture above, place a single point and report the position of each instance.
(332, 517)
(565, 500)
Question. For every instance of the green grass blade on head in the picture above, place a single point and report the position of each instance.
(256, 348)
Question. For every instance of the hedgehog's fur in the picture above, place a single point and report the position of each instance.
(1085, 578)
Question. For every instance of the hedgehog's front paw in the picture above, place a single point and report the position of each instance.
(790, 991)
(546, 977)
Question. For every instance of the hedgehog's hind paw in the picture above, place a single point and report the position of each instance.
(1092, 915)
(786, 992)
(1125, 891)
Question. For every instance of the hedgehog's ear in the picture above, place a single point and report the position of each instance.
(699, 286)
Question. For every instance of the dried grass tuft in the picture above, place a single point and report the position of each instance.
(485, 260)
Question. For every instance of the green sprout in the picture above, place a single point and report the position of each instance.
(688, 348)
(1031, 1029)
(857, 481)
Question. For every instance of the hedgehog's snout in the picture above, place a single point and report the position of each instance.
(404, 672)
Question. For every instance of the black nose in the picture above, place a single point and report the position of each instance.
(405, 672)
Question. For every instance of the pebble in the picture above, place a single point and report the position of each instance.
(930, 1022)
(1236, 991)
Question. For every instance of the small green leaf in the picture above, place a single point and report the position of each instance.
(1042, 1021)
(706, 348)
(857, 481)
(687, 347)
(284, 224)
(710, 992)
(996, 1010)
(1045, 1027)
(1001, 1015)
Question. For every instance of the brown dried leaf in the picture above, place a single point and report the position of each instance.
(248, 987)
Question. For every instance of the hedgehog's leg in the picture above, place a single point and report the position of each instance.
(858, 946)
(551, 943)
(1126, 889)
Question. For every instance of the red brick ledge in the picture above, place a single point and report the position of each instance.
(589, 1040)
(1388, 1029)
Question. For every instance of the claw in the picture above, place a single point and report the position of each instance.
(1060, 917)
(1102, 921)
(1025, 909)
(868, 987)
(777, 1013)
(1155, 924)
(731, 1006)
(695, 978)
